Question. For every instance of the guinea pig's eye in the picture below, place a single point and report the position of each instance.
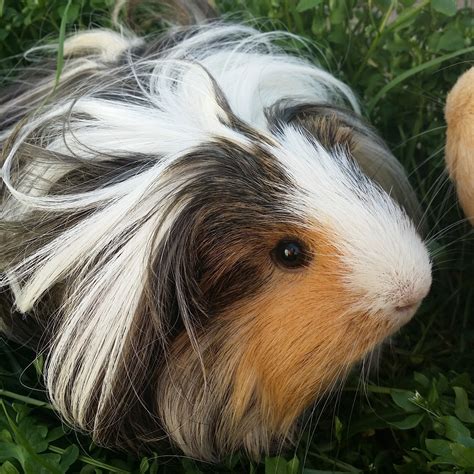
(290, 253)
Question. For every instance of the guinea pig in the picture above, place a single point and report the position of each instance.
(201, 234)
(459, 153)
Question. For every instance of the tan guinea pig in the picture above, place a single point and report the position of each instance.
(202, 233)
(459, 152)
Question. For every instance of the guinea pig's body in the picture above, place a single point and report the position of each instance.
(202, 236)
(460, 140)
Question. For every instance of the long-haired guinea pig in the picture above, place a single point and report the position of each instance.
(201, 234)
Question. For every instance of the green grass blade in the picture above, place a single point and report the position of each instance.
(406, 15)
(411, 72)
(62, 35)
(24, 399)
(91, 461)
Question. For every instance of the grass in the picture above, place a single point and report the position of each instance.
(416, 412)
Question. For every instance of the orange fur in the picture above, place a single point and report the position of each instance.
(294, 356)
(460, 140)
(270, 355)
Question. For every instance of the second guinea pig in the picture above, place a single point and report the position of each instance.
(201, 234)
(459, 152)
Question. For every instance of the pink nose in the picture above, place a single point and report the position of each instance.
(411, 298)
(410, 302)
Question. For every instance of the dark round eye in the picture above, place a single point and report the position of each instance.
(290, 253)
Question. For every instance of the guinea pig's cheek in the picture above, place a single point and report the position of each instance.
(304, 337)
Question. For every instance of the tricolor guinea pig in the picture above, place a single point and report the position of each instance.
(201, 234)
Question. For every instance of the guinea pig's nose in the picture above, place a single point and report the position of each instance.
(411, 299)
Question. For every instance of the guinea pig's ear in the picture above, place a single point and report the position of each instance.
(336, 127)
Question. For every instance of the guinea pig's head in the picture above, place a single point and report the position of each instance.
(298, 265)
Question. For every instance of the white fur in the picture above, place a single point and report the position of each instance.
(388, 264)
(109, 45)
